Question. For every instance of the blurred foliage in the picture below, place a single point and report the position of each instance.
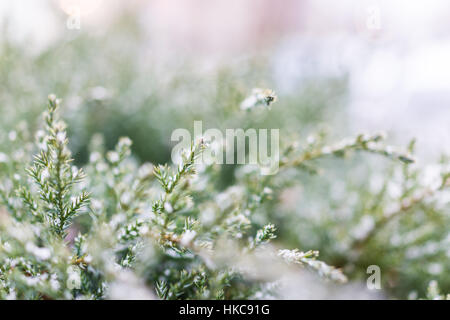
(114, 85)
(358, 211)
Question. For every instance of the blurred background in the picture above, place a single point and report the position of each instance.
(144, 68)
(370, 65)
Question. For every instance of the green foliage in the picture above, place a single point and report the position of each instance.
(53, 174)
(173, 233)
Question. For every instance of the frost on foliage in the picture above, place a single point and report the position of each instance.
(55, 176)
(118, 229)
(308, 259)
(259, 97)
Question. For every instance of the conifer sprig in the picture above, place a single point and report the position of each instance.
(181, 236)
(55, 176)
